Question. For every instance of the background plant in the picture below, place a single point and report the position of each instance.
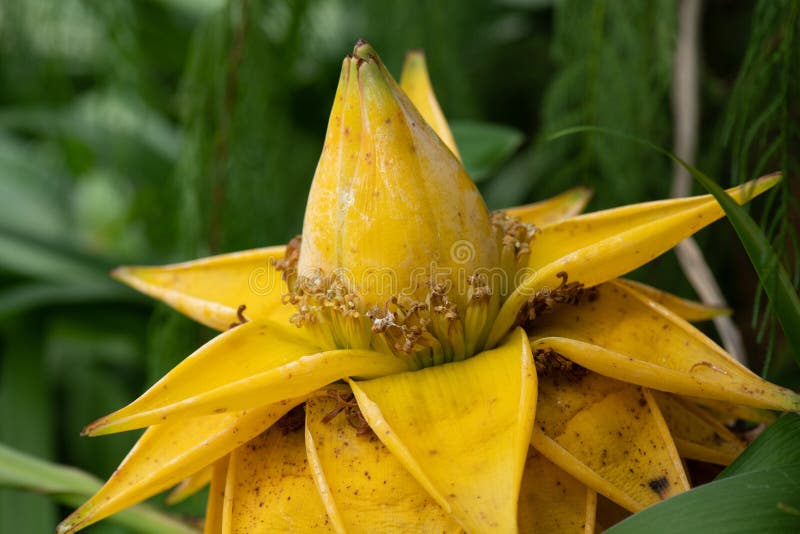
(147, 131)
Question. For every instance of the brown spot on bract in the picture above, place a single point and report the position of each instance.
(660, 486)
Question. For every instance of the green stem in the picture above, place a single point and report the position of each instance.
(72, 487)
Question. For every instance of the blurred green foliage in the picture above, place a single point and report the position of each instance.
(148, 131)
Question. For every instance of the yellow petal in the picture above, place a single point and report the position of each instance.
(250, 365)
(361, 483)
(626, 336)
(393, 211)
(189, 486)
(685, 309)
(697, 435)
(416, 83)
(601, 246)
(568, 204)
(211, 290)
(216, 496)
(609, 435)
(270, 488)
(552, 501)
(461, 429)
(168, 453)
(727, 413)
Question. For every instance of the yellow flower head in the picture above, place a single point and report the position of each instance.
(390, 204)
(414, 363)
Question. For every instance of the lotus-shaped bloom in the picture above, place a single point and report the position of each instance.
(414, 363)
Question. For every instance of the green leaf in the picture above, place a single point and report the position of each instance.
(23, 297)
(773, 277)
(32, 190)
(26, 420)
(71, 487)
(195, 8)
(775, 447)
(759, 492)
(485, 147)
(759, 501)
(47, 259)
(775, 280)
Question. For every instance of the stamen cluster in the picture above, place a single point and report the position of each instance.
(427, 332)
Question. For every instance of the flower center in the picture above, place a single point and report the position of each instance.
(428, 331)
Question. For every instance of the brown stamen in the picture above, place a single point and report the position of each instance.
(240, 316)
(548, 361)
(294, 420)
(403, 324)
(345, 402)
(288, 264)
(546, 300)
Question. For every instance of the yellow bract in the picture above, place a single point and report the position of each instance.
(269, 488)
(697, 435)
(217, 506)
(610, 435)
(461, 430)
(211, 290)
(190, 485)
(551, 500)
(683, 308)
(361, 482)
(374, 213)
(167, 453)
(602, 246)
(563, 206)
(416, 83)
(311, 412)
(624, 335)
(252, 365)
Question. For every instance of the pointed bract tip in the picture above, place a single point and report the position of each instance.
(119, 273)
(582, 191)
(93, 429)
(581, 196)
(364, 51)
(414, 62)
(771, 179)
(66, 526)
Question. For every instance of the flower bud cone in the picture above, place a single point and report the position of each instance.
(391, 209)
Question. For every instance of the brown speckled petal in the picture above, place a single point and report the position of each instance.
(361, 482)
(696, 433)
(551, 501)
(269, 487)
(624, 335)
(168, 453)
(461, 429)
(610, 435)
(601, 246)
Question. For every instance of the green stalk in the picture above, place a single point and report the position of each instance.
(72, 487)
